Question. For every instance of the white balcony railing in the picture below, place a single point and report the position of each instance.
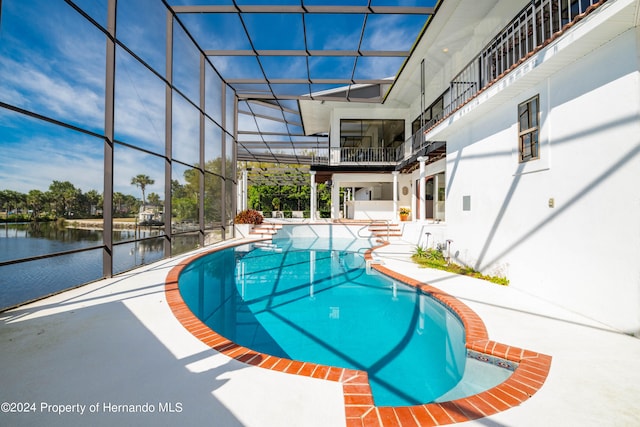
(529, 31)
(352, 155)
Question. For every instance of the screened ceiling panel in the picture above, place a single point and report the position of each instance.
(246, 123)
(264, 111)
(338, 91)
(291, 90)
(249, 138)
(243, 67)
(247, 89)
(271, 126)
(290, 105)
(268, 2)
(308, 140)
(279, 145)
(331, 67)
(336, 2)
(275, 31)
(215, 31)
(390, 32)
(274, 53)
(292, 118)
(199, 2)
(331, 31)
(285, 67)
(372, 67)
(296, 130)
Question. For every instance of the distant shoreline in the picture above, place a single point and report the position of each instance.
(97, 224)
(93, 224)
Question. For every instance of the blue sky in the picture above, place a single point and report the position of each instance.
(52, 62)
(46, 70)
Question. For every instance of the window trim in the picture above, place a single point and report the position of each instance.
(533, 131)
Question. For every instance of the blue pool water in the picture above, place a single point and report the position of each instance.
(316, 302)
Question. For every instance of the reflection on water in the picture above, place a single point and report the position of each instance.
(32, 239)
(28, 280)
(25, 240)
(315, 301)
(129, 255)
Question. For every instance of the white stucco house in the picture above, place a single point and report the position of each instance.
(513, 130)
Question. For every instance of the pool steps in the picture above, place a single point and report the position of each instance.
(266, 229)
(383, 230)
(378, 229)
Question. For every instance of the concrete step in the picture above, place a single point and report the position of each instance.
(384, 229)
(265, 229)
(384, 235)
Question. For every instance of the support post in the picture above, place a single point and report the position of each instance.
(168, 136)
(335, 201)
(244, 190)
(395, 195)
(313, 196)
(109, 114)
(423, 187)
(201, 187)
(435, 196)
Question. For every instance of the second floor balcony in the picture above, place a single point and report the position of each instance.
(367, 156)
(530, 31)
(364, 155)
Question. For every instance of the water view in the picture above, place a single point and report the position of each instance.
(20, 282)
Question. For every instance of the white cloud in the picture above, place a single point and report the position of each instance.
(140, 104)
(130, 163)
(52, 63)
(186, 131)
(37, 163)
(388, 32)
(51, 94)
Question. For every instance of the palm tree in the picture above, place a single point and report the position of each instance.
(36, 200)
(154, 199)
(118, 198)
(142, 181)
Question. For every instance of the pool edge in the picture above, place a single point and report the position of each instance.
(360, 410)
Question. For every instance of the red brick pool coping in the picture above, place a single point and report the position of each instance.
(527, 379)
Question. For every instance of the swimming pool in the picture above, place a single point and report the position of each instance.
(315, 301)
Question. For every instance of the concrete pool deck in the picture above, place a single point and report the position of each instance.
(114, 353)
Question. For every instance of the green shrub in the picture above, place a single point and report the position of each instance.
(249, 216)
(500, 280)
(430, 254)
(433, 258)
(420, 252)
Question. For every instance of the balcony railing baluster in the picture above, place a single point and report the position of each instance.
(530, 29)
(535, 24)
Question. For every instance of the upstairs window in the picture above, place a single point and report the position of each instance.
(368, 133)
(528, 129)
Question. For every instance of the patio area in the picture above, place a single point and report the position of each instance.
(112, 352)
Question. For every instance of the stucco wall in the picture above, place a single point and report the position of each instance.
(583, 252)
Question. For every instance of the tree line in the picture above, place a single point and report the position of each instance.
(64, 200)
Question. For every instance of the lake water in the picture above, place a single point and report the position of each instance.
(29, 280)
